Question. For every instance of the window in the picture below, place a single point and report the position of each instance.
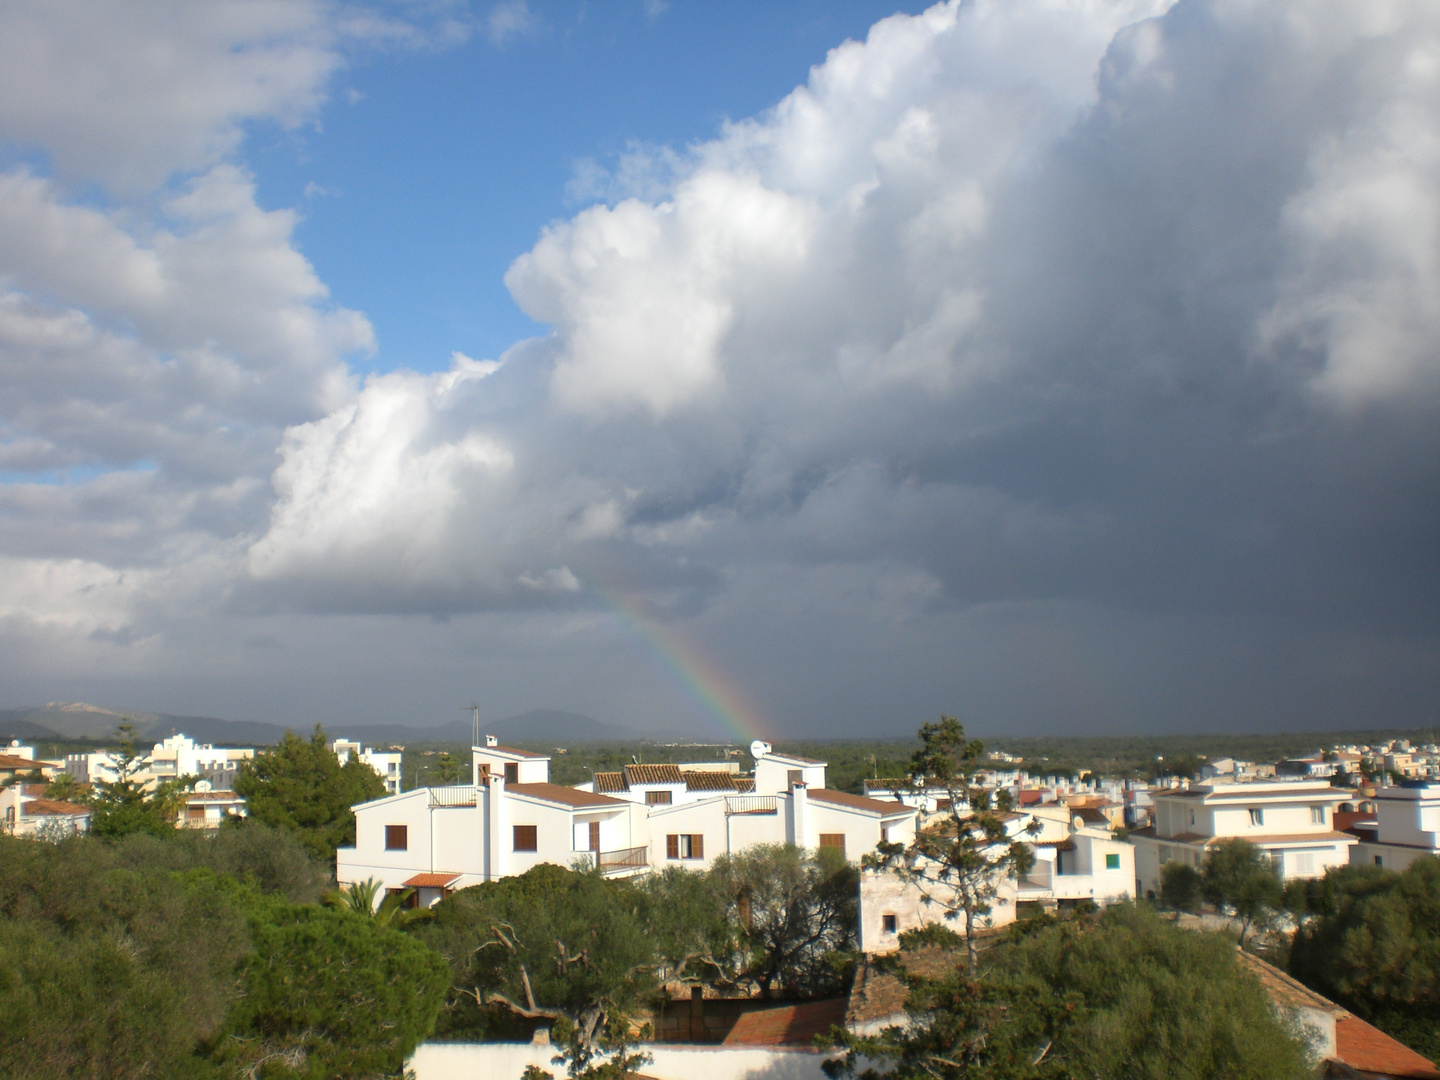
(793, 777)
(1304, 862)
(1379, 861)
(594, 836)
(1112, 861)
(1192, 817)
(889, 923)
(657, 798)
(525, 838)
(1257, 817)
(884, 834)
(833, 840)
(1317, 815)
(684, 846)
(512, 772)
(397, 837)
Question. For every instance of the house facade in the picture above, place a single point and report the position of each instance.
(386, 763)
(1406, 826)
(1291, 821)
(511, 818)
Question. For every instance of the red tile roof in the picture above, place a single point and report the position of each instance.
(54, 806)
(709, 781)
(653, 774)
(431, 881)
(15, 761)
(859, 802)
(510, 751)
(566, 796)
(787, 1025)
(745, 784)
(1369, 1050)
(610, 781)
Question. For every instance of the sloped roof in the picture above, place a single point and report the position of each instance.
(430, 881)
(510, 751)
(565, 796)
(745, 784)
(787, 1025)
(610, 782)
(15, 761)
(796, 758)
(55, 806)
(1367, 1049)
(653, 774)
(709, 781)
(859, 802)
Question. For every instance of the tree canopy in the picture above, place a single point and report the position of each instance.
(1239, 875)
(959, 863)
(1123, 994)
(1373, 944)
(301, 785)
(125, 805)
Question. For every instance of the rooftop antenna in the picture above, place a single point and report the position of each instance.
(474, 711)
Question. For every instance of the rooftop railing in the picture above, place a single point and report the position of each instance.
(620, 861)
(459, 795)
(752, 804)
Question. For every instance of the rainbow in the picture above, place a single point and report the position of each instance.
(696, 674)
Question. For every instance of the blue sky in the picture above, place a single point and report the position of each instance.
(443, 166)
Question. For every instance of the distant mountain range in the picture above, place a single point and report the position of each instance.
(77, 720)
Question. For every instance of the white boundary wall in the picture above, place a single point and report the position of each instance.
(506, 1061)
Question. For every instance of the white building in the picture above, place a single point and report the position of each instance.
(1291, 821)
(386, 763)
(1089, 864)
(181, 755)
(512, 818)
(1406, 826)
(25, 812)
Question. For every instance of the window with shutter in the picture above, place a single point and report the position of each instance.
(526, 838)
(512, 772)
(657, 798)
(833, 840)
(397, 838)
(672, 846)
(697, 846)
(594, 836)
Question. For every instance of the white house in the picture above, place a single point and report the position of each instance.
(24, 812)
(512, 818)
(1089, 864)
(385, 762)
(180, 755)
(1291, 821)
(1406, 826)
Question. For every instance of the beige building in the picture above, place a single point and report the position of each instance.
(1291, 821)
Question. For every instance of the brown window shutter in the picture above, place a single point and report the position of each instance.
(672, 846)
(833, 840)
(397, 838)
(525, 838)
(697, 846)
(594, 836)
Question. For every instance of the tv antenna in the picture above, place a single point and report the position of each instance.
(474, 711)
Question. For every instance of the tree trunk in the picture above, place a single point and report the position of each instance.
(971, 958)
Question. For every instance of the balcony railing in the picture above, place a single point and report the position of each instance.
(459, 795)
(620, 861)
(752, 804)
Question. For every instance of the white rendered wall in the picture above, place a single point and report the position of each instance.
(506, 1061)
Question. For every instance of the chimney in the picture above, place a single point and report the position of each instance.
(799, 807)
(492, 740)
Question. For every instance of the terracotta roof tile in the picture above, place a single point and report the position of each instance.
(54, 806)
(1369, 1050)
(510, 751)
(15, 761)
(745, 784)
(708, 781)
(787, 1025)
(565, 796)
(653, 774)
(430, 881)
(859, 802)
(610, 782)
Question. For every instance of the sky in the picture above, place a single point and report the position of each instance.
(744, 370)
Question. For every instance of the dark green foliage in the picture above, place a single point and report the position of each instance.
(1374, 946)
(692, 922)
(1239, 875)
(330, 993)
(124, 806)
(930, 935)
(109, 972)
(550, 943)
(134, 958)
(302, 786)
(1125, 994)
(1180, 886)
(801, 910)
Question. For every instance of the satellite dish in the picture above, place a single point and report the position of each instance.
(759, 749)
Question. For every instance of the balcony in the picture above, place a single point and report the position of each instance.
(621, 861)
(752, 804)
(457, 796)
